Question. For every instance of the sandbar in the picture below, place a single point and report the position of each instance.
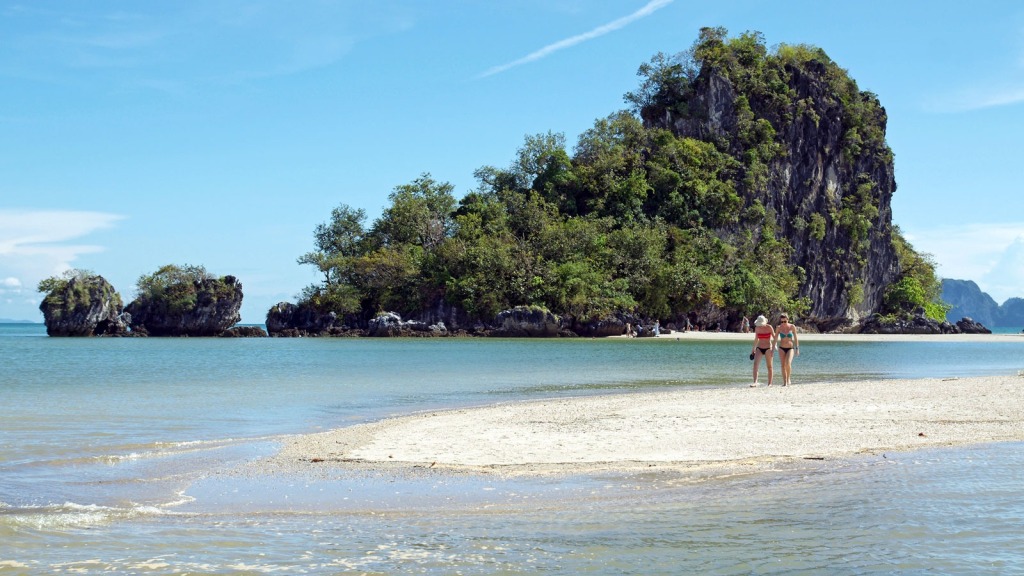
(687, 430)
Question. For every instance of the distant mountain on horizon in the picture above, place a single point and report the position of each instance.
(968, 300)
(11, 321)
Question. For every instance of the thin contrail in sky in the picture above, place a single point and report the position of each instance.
(612, 26)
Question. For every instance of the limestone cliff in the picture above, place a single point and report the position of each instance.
(84, 305)
(200, 307)
(813, 154)
(288, 319)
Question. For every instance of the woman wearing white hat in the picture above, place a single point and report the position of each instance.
(763, 346)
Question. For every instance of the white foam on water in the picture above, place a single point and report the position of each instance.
(73, 516)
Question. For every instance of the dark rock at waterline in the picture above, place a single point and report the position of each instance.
(918, 324)
(611, 325)
(286, 319)
(391, 324)
(968, 326)
(244, 332)
(526, 321)
(878, 324)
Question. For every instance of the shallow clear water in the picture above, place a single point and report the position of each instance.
(112, 454)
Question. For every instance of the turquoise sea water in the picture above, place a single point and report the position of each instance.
(114, 458)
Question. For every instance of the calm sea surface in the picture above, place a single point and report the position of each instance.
(114, 452)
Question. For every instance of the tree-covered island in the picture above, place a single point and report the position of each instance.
(740, 181)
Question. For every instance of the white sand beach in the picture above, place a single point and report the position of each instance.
(696, 431)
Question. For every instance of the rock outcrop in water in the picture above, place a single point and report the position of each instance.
(743, 182)
(83, 305)
(288, 319)
(175, 301)
(967, 325)
(918, 323)
(186, 302)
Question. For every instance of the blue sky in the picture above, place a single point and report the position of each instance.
(221, 132)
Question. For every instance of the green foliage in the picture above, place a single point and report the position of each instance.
(60, 283)
(174, 290)
(610, 178)
(817, 227)
(761, 277)
(72, 291)
(542, 163)
(905, 294)
(338, 298)
(917, 286)
(388, 277)
(420, 213)
(339, 243)
(856, 294)
(667, 81)
(636, 218)
(691, 182)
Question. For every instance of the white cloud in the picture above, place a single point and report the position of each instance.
(992, 255)
(11, 289)
(978, 99)
(35, 244)
(612, 26)
(28, 232)
(1006, 279)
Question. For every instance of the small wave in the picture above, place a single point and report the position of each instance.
(151, 451)
(71, 515)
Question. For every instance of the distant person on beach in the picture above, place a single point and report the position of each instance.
(745, 323)
(788, 346)
(764, 335)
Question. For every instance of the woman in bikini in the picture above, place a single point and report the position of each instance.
(788, 346)
(763, 335)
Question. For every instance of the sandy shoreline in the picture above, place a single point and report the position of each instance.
(692, 431)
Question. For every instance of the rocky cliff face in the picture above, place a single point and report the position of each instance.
(827, 189)
(84, 306)
(527, 321)
(214, 309)
(287, 319)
